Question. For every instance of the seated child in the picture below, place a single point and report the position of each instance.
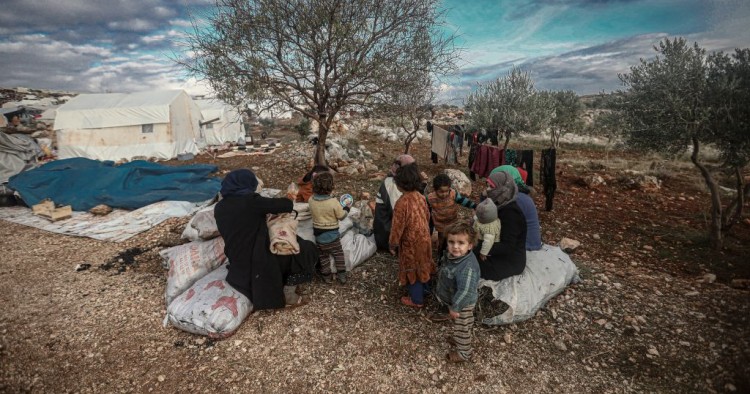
(487, 226)
(457, 287)
(444, 202)
(410, 236)
(326, 212)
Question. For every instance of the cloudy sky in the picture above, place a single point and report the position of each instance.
(108, 45)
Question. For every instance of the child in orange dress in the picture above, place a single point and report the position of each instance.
(410, 236)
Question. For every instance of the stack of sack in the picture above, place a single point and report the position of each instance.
(198, 298)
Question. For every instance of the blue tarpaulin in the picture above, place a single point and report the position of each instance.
(84, 183)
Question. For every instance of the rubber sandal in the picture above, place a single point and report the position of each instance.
(454, 357)
(406, 300)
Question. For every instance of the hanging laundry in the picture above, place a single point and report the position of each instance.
(439, 141)
(486, 159)
(527, 163)
(548, 176)
(433, 155)
(473, 143)
(491, 136)
(511, 157)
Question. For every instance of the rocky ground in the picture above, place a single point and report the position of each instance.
(656, 311)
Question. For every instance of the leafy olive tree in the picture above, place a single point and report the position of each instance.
(509, 105)
(672, 104)
(729, 90)
(567, 111)
(317, 56)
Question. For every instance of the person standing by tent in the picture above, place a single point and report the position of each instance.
(385, 200)
(268, 280)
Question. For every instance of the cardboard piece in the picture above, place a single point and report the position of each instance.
(47, 210)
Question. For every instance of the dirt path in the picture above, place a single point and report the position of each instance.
(641, 319)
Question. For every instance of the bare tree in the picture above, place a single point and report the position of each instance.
(318, 56)
(408, 103)
(409, 109)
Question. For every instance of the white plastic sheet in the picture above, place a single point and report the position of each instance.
(119, 225)
(548, 271)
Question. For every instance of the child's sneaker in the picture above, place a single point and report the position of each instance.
(342, 276)
(328, 279)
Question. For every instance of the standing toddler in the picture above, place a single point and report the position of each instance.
(457, 287)
(326, 212)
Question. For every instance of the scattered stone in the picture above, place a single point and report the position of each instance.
(100, 210)
(508, 338)
(568, 244)
(82, 267)
(593, 181)
(161, 378)
(652, 351)
(648, 247)
(708, 278)
(561, 345)
(730, 387)
(596, 236)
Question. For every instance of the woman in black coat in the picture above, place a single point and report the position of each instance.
(507, 257)
(268, 280)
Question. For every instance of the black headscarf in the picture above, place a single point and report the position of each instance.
(239, 183)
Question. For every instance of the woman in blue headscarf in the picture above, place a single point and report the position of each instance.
(268, 280)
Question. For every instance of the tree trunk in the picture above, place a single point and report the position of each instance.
(555, 139)
(737, 205)
(507, 139)
(320, 151)
(714, 228)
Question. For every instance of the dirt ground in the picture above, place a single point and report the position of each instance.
(645, 318)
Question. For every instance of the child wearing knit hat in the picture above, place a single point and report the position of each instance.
(487, 226)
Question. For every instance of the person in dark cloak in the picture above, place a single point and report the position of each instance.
(508, 257)
(270, 281)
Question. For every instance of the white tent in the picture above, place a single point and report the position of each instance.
(228, 127)
(158, 124)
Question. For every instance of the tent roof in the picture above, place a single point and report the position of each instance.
(92, 111)
(212, 108)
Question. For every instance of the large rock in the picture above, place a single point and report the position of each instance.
(640, 181)
(460, 181)
(593, 181)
